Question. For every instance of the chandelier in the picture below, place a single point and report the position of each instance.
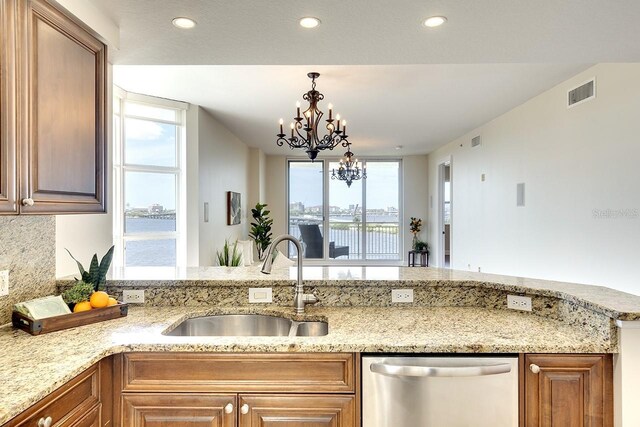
(349, 170)
(305, 128)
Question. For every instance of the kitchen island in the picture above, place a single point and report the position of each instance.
(453, 312)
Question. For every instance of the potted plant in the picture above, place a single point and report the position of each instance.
(261, 228)
(229, 256)
(97, 274)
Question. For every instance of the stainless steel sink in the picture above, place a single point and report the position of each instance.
(253, 325)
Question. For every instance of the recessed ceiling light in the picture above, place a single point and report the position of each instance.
(309, 22)
(435, 21)
(184, 23)
(398, 147)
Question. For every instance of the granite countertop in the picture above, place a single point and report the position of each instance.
(32, 367)
(612, 303)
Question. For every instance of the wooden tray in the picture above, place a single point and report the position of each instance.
(66, 321)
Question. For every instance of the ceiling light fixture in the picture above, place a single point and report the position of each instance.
(183, 23)
(435, 21)
(305, 135)
(349, 170)
(309, 22)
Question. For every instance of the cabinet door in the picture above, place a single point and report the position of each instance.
(178, 410)
(62, 81)
(297, 411)
(568, 391)
(8, 143)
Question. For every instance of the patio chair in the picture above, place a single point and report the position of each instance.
(312, 239)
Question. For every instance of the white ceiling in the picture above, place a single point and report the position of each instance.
(395, 81)
(261, 32)
(420, 107)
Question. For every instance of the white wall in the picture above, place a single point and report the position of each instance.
(414, 195)
(192, 176)
(257, 178)
(573, 162)
(223, 166)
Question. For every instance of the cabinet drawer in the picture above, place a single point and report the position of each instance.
(66, 405)
(281, 372)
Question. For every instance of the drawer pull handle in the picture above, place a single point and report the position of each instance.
(244, 409)
(28, 202)
(229, 408)
(45, 422)
(534, 368)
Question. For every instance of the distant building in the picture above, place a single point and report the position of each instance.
(155, 208)
(314, 209)
(296, 207)
(392, 210)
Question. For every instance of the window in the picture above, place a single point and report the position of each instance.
(149, 139)
(363, 221)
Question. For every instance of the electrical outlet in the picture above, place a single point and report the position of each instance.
(516, 302)
(402, 295)
(260, 295)
(133, 296)
(4, 283)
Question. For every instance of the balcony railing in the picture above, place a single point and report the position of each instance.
(382, 238)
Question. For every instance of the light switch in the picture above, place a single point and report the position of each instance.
(206, 211)
(520, 194)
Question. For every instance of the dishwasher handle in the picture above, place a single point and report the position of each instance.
(439, 371)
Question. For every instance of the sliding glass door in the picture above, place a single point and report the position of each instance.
(363, 220)
(345, 218)
(306, 207)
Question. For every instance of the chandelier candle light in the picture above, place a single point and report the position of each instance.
(304, 128)
(349, 170)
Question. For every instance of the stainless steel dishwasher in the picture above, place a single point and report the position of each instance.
(439, 391)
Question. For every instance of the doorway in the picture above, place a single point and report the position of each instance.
(445, 210)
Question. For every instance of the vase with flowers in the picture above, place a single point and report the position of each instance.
(415, 226)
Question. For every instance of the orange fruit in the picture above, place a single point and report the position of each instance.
(112, 301)
(99, 299)
(82, 306)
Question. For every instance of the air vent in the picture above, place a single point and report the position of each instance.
(475, 141)
(582, 93)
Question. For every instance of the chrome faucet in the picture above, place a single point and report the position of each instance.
(300, 299)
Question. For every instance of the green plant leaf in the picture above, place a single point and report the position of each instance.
(104, 267)
(94, 271)
(80, 267)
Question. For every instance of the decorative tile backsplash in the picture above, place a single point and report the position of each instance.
(28, 251)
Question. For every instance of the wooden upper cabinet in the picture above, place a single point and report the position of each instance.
(8, 182)
(63, 122)
(568, 391)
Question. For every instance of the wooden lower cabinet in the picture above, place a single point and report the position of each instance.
(297, 411)
(238, 390)
(568, 390)
(179, 410)
(85, 401)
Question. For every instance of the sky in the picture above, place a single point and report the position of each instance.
(150, 143)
